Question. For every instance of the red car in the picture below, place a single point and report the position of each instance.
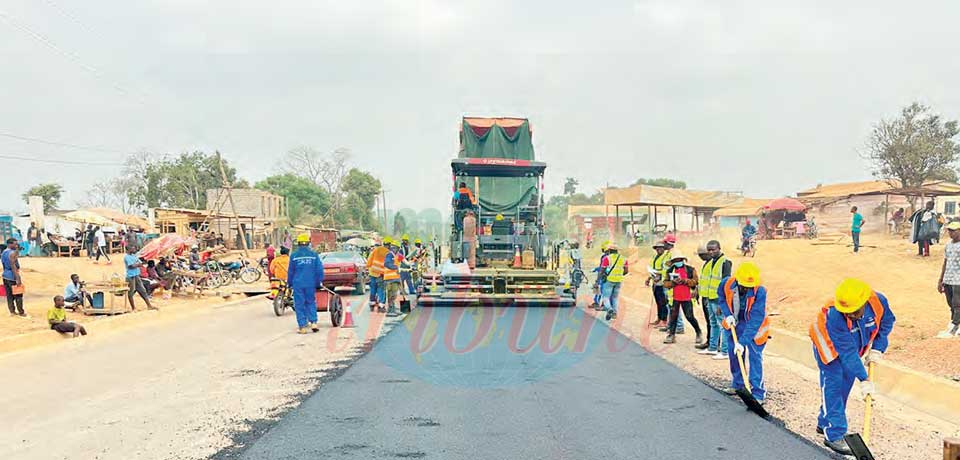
(344, 268)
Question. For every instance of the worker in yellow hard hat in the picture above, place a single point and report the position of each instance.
(304, 276)
(376, 269)
(856, 323)
(405, 258)
(598, 284)
(743, 306)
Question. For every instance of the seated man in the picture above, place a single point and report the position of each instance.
(57, 318)
(148, 274)
(74, 294)
(195, 258)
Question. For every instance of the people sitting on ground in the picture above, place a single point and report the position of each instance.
(57, 317)
(748, 232)
(149, 282)
(74, 294)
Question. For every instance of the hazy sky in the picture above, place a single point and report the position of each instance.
(733, 95)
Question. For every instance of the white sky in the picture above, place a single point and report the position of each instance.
(745, 96)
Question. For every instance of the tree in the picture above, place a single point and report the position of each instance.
(661, 182)
(327, 170)
(399, 224)
(358, 195)
(111, 194)
(570, 186)
(916, 147)
(49, 192)
(181, 182)
(306, 201)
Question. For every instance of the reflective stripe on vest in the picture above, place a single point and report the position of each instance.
(821, 338)
(763, 332)
(390, 274)
(375, 262)
(711, 277)
(615, 270)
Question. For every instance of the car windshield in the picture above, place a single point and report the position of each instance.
(339, 257)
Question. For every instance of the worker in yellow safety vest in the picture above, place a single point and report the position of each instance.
(717, 268)
(375, 268)
(613, 268)
(657, 273)
(598, 285)
(855, 324)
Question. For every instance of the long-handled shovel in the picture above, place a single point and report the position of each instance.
(855, 441)
(746, 394)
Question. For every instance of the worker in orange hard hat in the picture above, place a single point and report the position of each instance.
(855, 324)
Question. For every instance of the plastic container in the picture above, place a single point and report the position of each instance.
(97, 301)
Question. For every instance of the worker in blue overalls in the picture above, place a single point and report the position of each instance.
(847, 330)
(304, 276)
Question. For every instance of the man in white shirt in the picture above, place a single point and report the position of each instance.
(101, 241)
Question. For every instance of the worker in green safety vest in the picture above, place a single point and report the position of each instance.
(714, 271)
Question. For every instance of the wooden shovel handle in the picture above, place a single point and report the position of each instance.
(743, 369)
(868, 409)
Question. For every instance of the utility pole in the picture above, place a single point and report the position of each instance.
(383, 203)
(229, 188)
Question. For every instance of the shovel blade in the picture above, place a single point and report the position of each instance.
(859, 448)
(752, 404)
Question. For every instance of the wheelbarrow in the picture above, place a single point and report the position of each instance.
(329, 300)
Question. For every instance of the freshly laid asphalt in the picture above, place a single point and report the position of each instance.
(463, 384)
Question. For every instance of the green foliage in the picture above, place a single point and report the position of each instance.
(307, 202)
(399, 224)
(915, 147)
(49, 192)
(359, 191)
(570, 186)
(180, 181)
(661, 182)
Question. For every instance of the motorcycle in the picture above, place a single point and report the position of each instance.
(237, 270)
(750, 248)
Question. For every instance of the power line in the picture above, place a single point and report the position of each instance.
(59, 162)
(60, 144)
(72, 56)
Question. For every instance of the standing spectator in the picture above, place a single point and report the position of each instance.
(702, 290)
(89, 241)
(855, 227)
(656, 278)
(682, 278)
(57, 318)
(101, 242)
(925, 228)
(896, 221)
(714, 272)
(74, 292)
(949, 283)
(271, 254)
(33, 236)
(12, 283)
(613, 268)
(132, 238)
(134, 283)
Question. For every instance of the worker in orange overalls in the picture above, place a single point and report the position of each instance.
(855, 324)
(375, 268)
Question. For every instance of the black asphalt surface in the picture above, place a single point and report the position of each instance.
(461, 384)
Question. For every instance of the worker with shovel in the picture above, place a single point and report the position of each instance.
(855, 324)
(743, 304)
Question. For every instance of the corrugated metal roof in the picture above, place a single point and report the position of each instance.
(878, 187)
(644, 195)
(747, 207)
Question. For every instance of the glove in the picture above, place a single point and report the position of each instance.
(738, 349)
(730, 320)
(866, 389)
(873, 356)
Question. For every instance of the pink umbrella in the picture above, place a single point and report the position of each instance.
(164, 246)
(785, 204)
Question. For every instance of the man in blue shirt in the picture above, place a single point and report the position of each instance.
(855, 228)
(135, 285)
(74, 294)
(304, 276)
(748, 232)
(11, 277)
